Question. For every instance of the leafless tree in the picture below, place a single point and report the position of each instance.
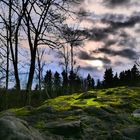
(12, 22)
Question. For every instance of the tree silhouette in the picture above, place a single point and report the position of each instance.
(57, 84)
(108, 78)
(90, 82)
(64, 81)
(135, 75)
(72, 81)
(116, 80)
(99, 84)
(49, 82)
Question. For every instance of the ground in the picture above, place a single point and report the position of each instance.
(106, 114)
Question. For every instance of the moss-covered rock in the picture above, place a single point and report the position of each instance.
(106, 114)
(12, 128)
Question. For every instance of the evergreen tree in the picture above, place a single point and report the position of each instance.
(72, 81)
(127, 78)
(57, 83)
(89, 82)
(135, 75)
(93, 82)
(108, 78)
(49, 82)
(116, 80)
(78, 84)
(64, 81)
(99, 84)
(122, 78)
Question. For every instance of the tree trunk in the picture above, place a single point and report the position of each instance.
(7, 66)
(32, 70)
(72, 63)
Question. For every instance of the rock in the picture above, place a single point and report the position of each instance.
(88, 95)
(65, 128)
(12, 128)
(109, 109)
(109, 92)
(132, 132)
(94, 110)
(136, 113)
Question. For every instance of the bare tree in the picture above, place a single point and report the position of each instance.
(42, 20)
(41, 64)
(73, 38)
(12, 22)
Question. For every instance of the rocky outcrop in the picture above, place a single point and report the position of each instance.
(65, 128)
(136, 113)
(12, 128)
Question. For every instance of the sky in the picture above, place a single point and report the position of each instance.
(113, 29)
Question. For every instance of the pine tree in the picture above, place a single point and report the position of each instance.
(49, 82)
(135, 75)
(78, 84)
(72, 81)
(93, 82)
(57, 83)
(99, 84)
(108, 78)
(89, 82)
(64, 82)
(122, 78)
(115, 80)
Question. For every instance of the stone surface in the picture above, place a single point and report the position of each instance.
(136, 113)
(132, 132)
(88, 95)
(12, 128)
(65, 128)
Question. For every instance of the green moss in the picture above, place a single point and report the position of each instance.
(71, 118)
(20, 111)
(114, 97)
(40, 125)
(135, 119)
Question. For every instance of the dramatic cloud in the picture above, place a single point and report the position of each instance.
(112, 3)
(85, 56)
(89, 68)
(121, 20)
(128, 53)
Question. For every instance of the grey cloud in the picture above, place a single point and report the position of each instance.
(128, 42)
(96, 34)
(110, 42)
(85, 56)
(114, 22)
(89, 68)
(128, 53)
(120, 20)
(112, 3)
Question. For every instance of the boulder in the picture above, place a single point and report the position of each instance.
(96, 111)
(12, 128)
(109, 109)
(88, 95)
(65, 128)
(132, 132)
(136, 113)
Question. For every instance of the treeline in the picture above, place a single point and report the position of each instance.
(130, 77)
(56, 84)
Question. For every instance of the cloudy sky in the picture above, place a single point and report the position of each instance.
(113, 30)
(114, 35)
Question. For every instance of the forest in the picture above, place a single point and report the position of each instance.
(69, 70)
